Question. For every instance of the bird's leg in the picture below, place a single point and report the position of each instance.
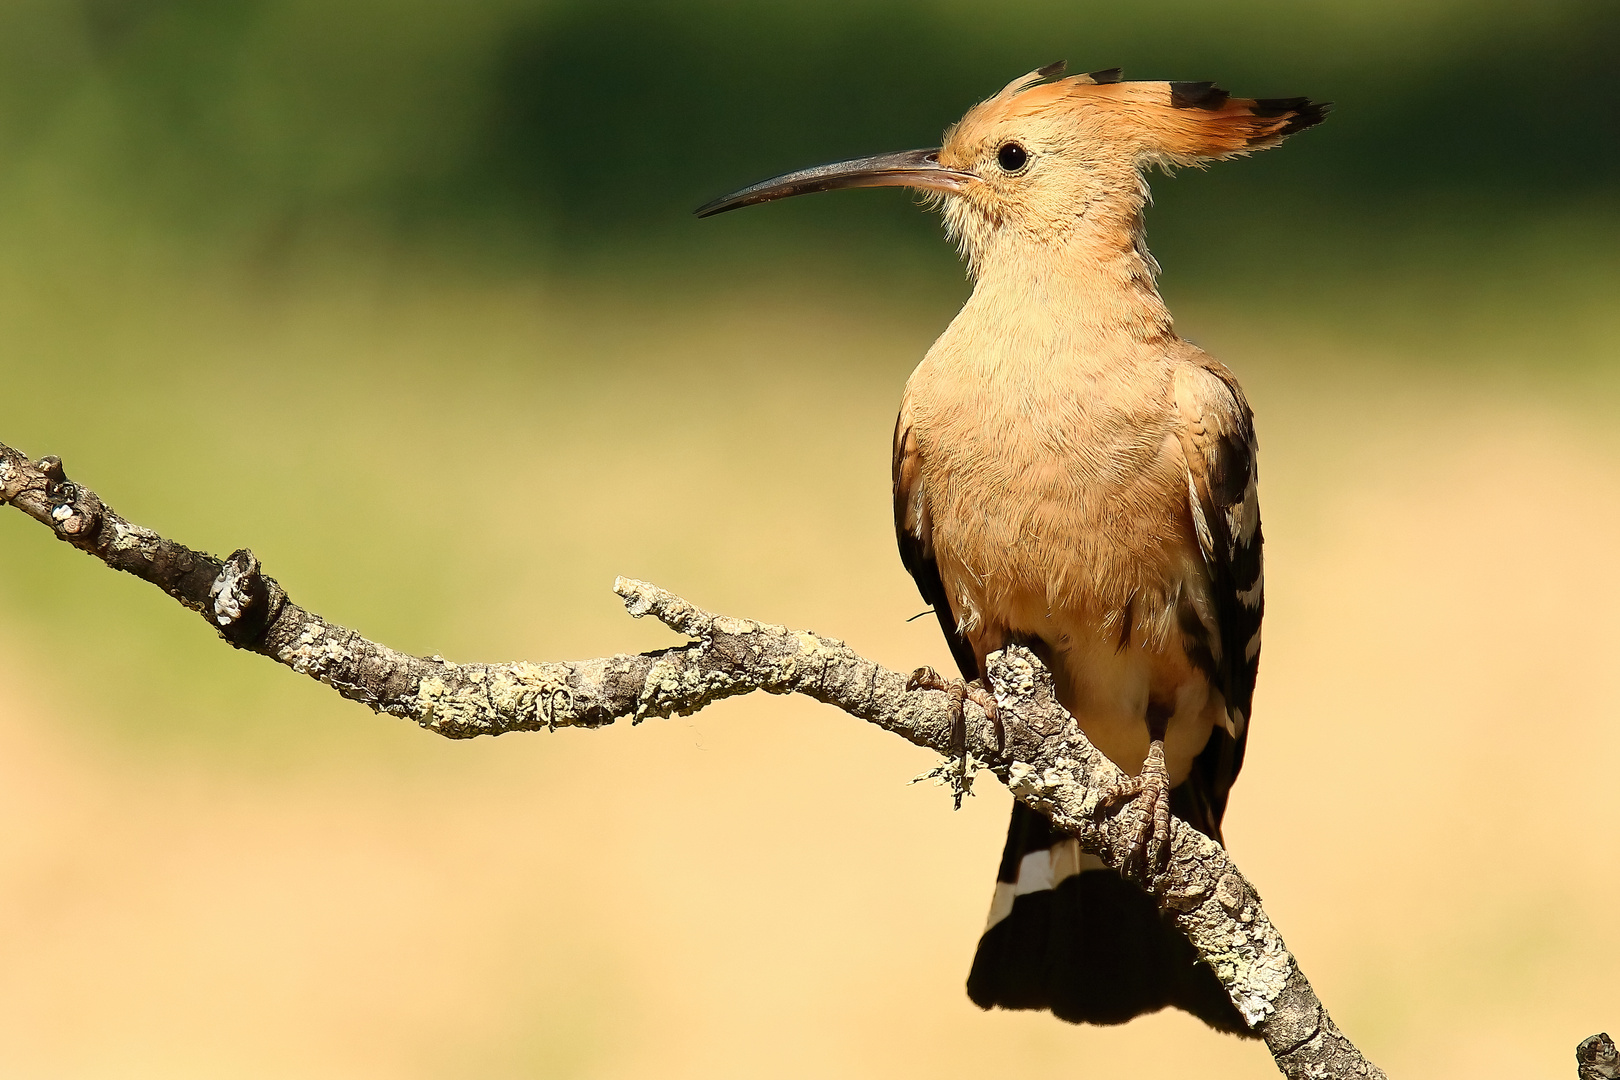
(1150, 790)
(926, 678)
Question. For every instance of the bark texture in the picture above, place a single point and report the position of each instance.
(1597, 1059)
(1046, 761)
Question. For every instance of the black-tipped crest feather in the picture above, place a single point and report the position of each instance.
(1197, 95)
(1307, 113)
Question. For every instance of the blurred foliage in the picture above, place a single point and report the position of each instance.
(564, 126)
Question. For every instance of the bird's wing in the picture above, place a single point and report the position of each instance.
(1218, 441)
(914, 528)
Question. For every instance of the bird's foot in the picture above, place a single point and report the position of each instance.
(926, 678)
(1149, 825)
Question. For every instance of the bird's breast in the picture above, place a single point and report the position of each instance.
(1053, 486)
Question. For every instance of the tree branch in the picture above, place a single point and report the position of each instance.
(1047, 762)
(1597, 1059)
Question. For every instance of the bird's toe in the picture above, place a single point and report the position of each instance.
(925, 678)
(1147, 823)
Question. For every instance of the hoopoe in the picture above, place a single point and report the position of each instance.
(1072, 475)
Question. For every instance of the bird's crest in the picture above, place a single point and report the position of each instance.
(1053, 71)
(1168, 123)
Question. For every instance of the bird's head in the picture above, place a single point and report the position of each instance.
(1049, 156)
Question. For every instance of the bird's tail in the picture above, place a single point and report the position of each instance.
(1067, 934)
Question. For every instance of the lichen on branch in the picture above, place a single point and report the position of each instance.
(1045, 759)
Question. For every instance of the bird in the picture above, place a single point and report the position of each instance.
(1072, 475)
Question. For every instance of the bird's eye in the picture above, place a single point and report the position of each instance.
(1011, 157)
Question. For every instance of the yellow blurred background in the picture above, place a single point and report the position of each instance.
(405, 297)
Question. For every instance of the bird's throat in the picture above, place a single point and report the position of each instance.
(1103, 290)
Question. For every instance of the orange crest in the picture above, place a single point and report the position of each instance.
(1178, 123)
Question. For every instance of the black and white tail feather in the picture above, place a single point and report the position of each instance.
(1068, 935)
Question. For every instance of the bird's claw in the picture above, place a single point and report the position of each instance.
(926, 678)
(1149, 827)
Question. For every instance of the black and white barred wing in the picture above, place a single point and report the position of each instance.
(1218, 441)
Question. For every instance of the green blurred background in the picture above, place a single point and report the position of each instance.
(407, 297)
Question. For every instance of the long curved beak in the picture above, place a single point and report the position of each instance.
(907, 168)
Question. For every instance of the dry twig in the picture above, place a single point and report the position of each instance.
(1047, 761)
